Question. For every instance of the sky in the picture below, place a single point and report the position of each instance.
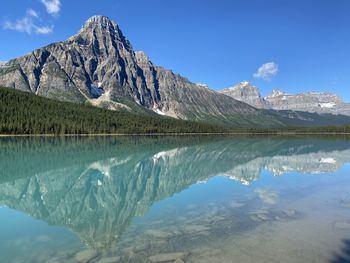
(292, 45)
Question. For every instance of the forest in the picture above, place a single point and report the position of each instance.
(25, 113)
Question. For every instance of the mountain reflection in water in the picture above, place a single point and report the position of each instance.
(95, 186)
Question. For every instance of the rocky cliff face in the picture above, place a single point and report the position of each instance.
(99, 65)
(317, 102)
(99, 59)
(247, 93)
(310, 102)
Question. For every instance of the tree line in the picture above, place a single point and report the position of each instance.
(25, 113)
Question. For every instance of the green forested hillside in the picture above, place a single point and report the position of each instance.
(25, 113)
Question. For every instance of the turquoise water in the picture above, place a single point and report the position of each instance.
(174, 199)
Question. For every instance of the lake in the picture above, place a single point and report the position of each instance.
(174, 199)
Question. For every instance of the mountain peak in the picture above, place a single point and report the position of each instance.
(276, 93)
(99, 20)
(242, 85)
(245, 92)
(100, 24)
(101, 33)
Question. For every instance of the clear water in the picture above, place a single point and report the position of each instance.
(174, 199)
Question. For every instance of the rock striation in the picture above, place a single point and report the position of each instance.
(247, 93)
(99, 65)
(318, 102)
(314, 102)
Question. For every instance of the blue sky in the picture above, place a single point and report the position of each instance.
(218, 42)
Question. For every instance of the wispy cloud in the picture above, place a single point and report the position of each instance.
(53, 7)
(266, 71)
(44, 30)
(32, 13)
(27, 24)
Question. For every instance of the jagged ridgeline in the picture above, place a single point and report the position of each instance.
(98, 66)
(95, 186)
(320, 102)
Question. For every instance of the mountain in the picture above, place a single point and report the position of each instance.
(97, 195)
(314, 102)
(24, 113)
(310, 102)
(98, 66)
(246, 93)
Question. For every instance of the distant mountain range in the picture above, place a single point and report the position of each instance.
(278, 100)
(99, 66)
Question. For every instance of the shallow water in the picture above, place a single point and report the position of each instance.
(174, 199)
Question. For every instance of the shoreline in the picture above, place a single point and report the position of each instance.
(174, 134)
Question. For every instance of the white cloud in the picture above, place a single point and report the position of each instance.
(52, 6)
(44, 30)
(33, 13)
(266, 71)
(22, 25)
(27, 24)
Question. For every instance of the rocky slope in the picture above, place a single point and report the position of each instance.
(247, 93)
(310, 101)
(99, 65)
(278, 100)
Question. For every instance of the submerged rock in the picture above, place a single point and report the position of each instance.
(259, 211)
(85, 255)
(290, 212)
(345, 202)
(109, 260)
(255, 218)
(195, 228)
(167, 257)
(263, 217)
(342, 225)
(278, 218)
(158, 233)
(236, 205)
